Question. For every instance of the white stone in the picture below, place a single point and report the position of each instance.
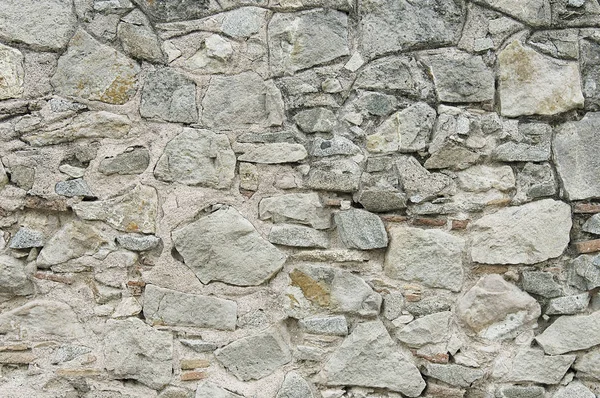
(430, 329)
(571, 333)
(273, 153)
(12, 73)
(302, 208)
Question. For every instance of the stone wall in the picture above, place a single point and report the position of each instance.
(299, 198)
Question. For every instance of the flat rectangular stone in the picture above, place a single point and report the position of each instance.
(17, 357)
(588, 246)
(189, 364)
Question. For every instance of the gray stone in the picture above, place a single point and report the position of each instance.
(73, 240)
(170, 96)
(255, 357)
(170, 307)
(68, 352)
(298, 236)
(329, 325)
(590, 73)
(197, 157)
(273, 153)
(460, 77)
(206, 389)
(406, 131)
(428, 256)
(388, 26)
(482, 178)
(575, 146)
(418, 183)
(537, 12)
(592, 225)
(496, 309)
(138, 39)
(134, 350)
(315, 120)
(575, 389)
(568, 305)
(242, 100)
(95, 71)
(337, 175)
(199, 345)
(393, 304)
(455, 375)
(301, 40)
(12, 73)
(301, 208)
(429, 305)
(138, 243)
(22, 176)
(162, 11)
(535, 181)
(520, 392)
(135, 211)
(430, 329)
(335, 146)
(533, 366)
(71, 188)
(571, 333)
(45, 26)
(526, 234)
(531, 145)
(83, 126)
(369, 358)
(588, 365)
(26, 238)
(224, 246)
(381, 200)
(375, 103)
(541, 283)
(451, 155)
(588, 268)
(531, 83)
(249, 176)
(13, 278)
(359, 229)
(243, 22)
(133, 160)
(562, 44)
(295, 386)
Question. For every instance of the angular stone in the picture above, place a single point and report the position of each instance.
(562, 44)
(381, 200)
(359, 229)
(135, 211)
(455, 375)
(419, 184)
(71, 188)
(210, 390)
(315, 120)
(44, 26)
(302, 208)
(575, 389)
(592, 225)
(496, 309)
(568, 305)
(520, 392)
(295, 386)
(298, 236)
(68, 352)
(482, 178)
(273, 153)
(374, 103)
(541, 283)
(533, 366)
(451, 155)
(532, 144)
(12, 73)
(224, 246)
(86, 125)
(575, 146)
(73, 240)
(535, 181)
(137, 242)
(534, 84)
(13, 278)
(590, 73)
(133, 160)
(369, 358)
(138, 39)
(430, 329)
(428, 256)
(571, 333)
(26, 238)
(167, 11)
(255, 357)
(134, 350)
(406, 131)
(335, 146)
(537, 12)
(170, 307)
(460, 77)
(300, 40)
(337, 175)
(526, 234)
(170, 96)
(588, 365)
(588, 268)
(95, 71)
(249, 177)
(241, 100)
(197, 157)
(388, 26)
(329, 325)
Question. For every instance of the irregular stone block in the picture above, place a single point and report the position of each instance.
(73, 240)
(336, 146)
(273, 153)
(574, 389)
(419, 184)
(295, 386)
(455, 375)
(588, 365)
(71, 188)
(537, 12)
(170, 96)
(482, 178)
(315, 120)
(568, 305)
(137, 37)
(541, 283)
(533, 366)
(302, 208)
(520, 392)
(224, 246)
(590, 73)
(12, 73)
(298, 236)
(166, 11)
(138, 243)
(210, 390)
(430, 329)
(535, 181)
(339, 176)
(328, 325)
(571, 333)
(134, 160)
(170, 307)
(13, 279)
(429, 256)
(359, 229)
(26, 238)
(532, 144)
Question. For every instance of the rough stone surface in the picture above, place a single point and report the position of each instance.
(224, 246)
(11, 72)
(455, 375)
(210, 390)
(329, 325)
(274, 153)
(298, 236)
(574, 390)
(296, 207)
(137, 37)
(359, 229)
(315, 120)
(340, 175)
(26, 238)
(73, 240)
(524, 234)
(430, 329)
(134, 160)
(13, 277)
(533, 366)
(587, 365)
(71, 188)
(295, 386)
(571, 333)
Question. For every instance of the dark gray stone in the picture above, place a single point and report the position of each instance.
(359, 229)
(71, 188)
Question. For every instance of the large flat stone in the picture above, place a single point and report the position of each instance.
(536, 12)
(73, 240)
(429, 256)
(224, 246)
(301, 208)
(571, 333)
(533, 366)
(298, 236)
(170, 307)
(455, 375)
(170, 96)
(526, 234)
(429, 329)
